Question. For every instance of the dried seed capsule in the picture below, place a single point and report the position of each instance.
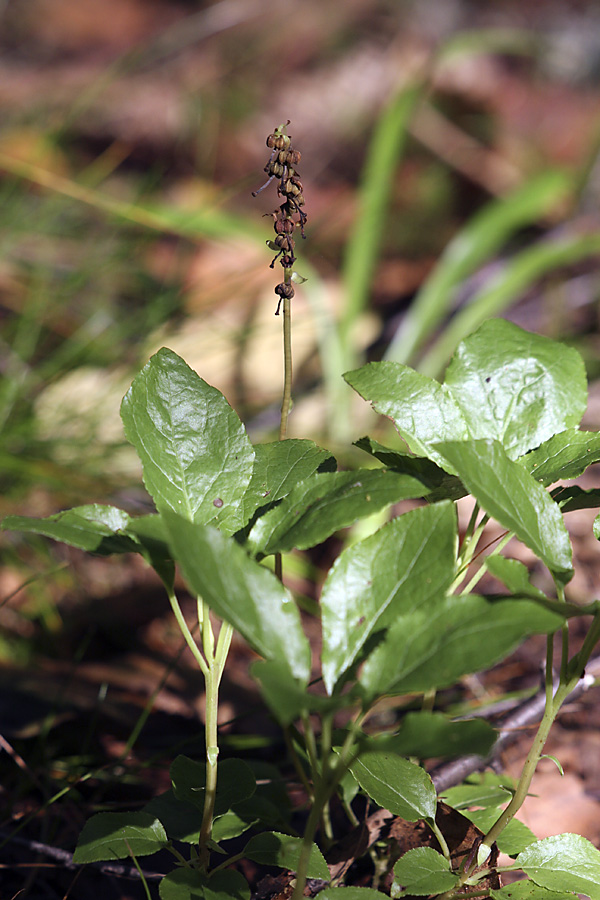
(283, 225)
(274, 168)
(292, 157)
(283, 291)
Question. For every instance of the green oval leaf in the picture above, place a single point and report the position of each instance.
(235, 782)
(323, 504)
(274, 849)
(241, 592)
(514, 838)
(196, 456)
(396, 784)
(432, 647)
(563, 862)
(426, 734)
(400, 567)
(564, 456)
(528, 890)
(181, 820)
(424, 871)
(117, 835)
(515, 386)
(190, 884)
(95, 528)
(515, 499)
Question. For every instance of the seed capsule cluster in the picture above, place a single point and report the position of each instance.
(282, 165)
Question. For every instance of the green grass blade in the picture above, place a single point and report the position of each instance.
(362, 251)
(482, 236)
(515, 278)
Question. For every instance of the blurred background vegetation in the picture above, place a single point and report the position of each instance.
(450, 168)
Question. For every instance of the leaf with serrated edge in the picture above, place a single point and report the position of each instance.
(528, 890)
(515, 499)
(565, 456)
(117, 835)
(279, 466)
(274, 849)
(196, 456)
(563, 862)
(400, 567)
(424, 871)
(323, 504)
(515, 386)
(433, 646)
(93, 527)
(396, 784)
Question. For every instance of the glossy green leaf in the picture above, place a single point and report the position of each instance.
(181, 820)
(433, 646)
(196, 456)
(515, 499)
(423, 410)
(563, 457)
(95, 528)
(104, 530)
(441, 485)
(274, 849)
(514, 575)
(528, 890)
(110, 835)
(281, 465)
(231, 824)
(397, 569)
(424, 871)
(321, 505)
(511, 280)
(235, 782)
(241, 591)
(190, 884)
(515, 386)
(481, 238)
(396, 784)
(514, 838)
(426, 735)
(564, 862)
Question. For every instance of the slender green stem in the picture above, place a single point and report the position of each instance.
(441, 839)
(553, 703)
(212, 753)
(324, 788)
(311, 746)
(482, 569)
(187, 633)
(296, 762)
(287, 360)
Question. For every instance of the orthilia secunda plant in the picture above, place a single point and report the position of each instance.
(290, 215)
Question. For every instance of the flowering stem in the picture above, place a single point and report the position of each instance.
(287, 361)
